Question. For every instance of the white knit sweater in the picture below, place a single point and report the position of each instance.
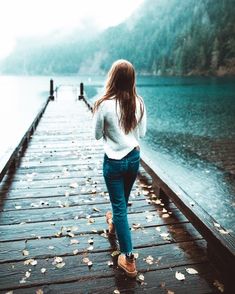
(117, 144)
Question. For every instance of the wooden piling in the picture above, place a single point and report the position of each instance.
(81, 94)
(52, 90)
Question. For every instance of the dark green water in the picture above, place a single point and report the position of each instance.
(191, 135)
(190, 106)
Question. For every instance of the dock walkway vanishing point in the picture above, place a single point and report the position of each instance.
(52, 227)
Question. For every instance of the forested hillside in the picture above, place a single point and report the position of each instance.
(163, 37)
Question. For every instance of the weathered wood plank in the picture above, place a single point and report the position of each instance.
(81, 225)
(71, 200)
(40, 248)
(56, 169)
(56, 191)
(82, 181)
(64, 162)
(67, 211)
(157, 281)
(56, 154)
(188, 253)
(65, 174)
(66, 144)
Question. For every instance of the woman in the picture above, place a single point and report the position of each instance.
(120, 119)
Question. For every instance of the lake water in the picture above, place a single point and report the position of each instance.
(191, 129)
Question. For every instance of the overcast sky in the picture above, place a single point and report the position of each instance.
(20, 18)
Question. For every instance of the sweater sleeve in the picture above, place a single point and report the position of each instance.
(143, 124)
(98, 123)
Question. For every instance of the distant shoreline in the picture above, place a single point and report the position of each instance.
(194, 73)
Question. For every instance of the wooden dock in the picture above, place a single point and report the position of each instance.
(52, 227)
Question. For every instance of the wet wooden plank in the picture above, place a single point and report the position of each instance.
(50, 247)
(59, 174)
(54, 192)
(60, 201)
(49, 228)
(53, 181)
(67, 211)
(159, 281)
(165, 256)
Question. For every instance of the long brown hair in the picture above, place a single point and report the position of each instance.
(121, 86)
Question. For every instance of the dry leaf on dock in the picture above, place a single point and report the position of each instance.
(136, 255)
(90, 248)
(216, 225)
(66, 193)
(219, 286)
(149, 259)
(110, 263)
(91, 220)
(75, 251)
(23, 280)
(57, 259)
(30, 261)
(74, 241)
(60, 265)
(25, 252)
(70, 234)
(115, 253)
(86, 260)
(89, 263)
(140, 278)
(179, 276)
(135, 226)
(223, 232)
(74, 185)
(191, 271)
(58, 234)
(90, 241)
(165, 236)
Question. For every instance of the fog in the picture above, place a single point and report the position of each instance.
(27, 18)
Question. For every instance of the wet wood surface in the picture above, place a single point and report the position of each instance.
(52, 221)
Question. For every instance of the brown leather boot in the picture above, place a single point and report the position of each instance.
(109, 221)
(128, 265)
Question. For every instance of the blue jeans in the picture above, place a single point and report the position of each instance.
(120, 176)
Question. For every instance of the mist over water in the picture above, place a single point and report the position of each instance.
(20, 101)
